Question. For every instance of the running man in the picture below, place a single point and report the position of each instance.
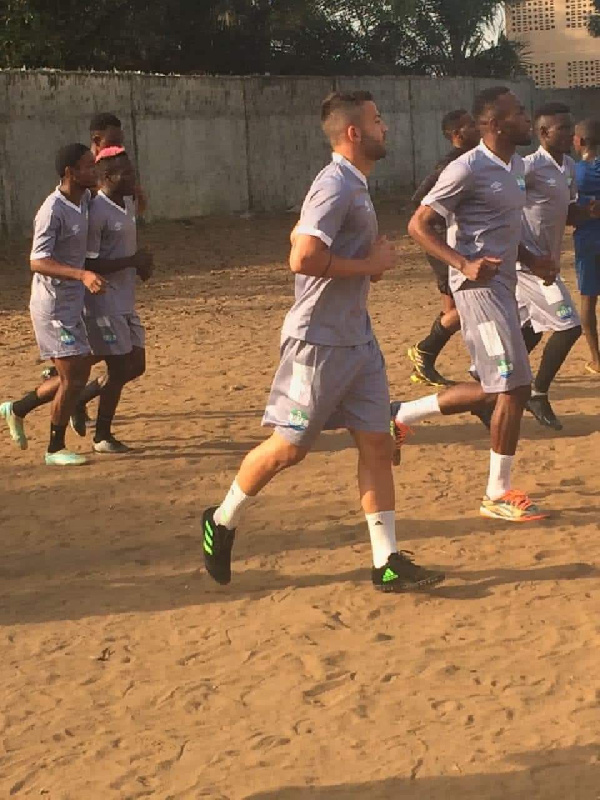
(460, 129)
(550, 205)
(57, 296)
(481, 196)
(587, 234)
(331, 373)
(114, 329)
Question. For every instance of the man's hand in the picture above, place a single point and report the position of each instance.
(594, 209)
(545, 268)
(143, 264)
(481, 269)
(381, 258)
(95, 284)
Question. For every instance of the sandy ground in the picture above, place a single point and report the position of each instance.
(127, 673)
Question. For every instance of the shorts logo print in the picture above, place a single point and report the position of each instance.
(505, 368)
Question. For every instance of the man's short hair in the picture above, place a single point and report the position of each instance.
(340, 109)
(551, 110)
(488, 100)
(451, 121)
(589, 131)
(100, 122)
(69, 156)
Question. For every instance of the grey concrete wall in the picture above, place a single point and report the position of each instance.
(218, 144)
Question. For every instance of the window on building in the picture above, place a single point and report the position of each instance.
(583, 73)
(578, 13)
(531, 15)
(543, 74)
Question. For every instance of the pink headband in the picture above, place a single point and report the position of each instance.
(109, 152)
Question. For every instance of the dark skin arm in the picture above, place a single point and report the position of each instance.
(141, 261)
(542, 266)
(578, 214)
(422, 228)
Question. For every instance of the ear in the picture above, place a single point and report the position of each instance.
(353, 133)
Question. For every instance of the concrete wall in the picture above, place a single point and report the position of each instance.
(218, 144)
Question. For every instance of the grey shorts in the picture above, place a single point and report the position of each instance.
(58, 339)
(548, 308)
(491, 328)
(116, 335)
(318, 387)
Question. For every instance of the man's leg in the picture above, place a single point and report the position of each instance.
(258, 468)
(73, 373)
(547, 308)
(589, 323)
(393, 571)
(121, 370)
(424, 354)
(15, 412)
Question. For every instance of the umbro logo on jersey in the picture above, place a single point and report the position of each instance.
(75, 228)
(551, 181)
(118, 226)
(496, 187)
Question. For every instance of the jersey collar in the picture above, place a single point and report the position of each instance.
(339, 159)
(61, 196)
(493, 157)
(545, 154)
(115, 205)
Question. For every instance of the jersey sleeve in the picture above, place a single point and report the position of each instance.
(450, 189)
(45, 232)
(95, 231)
(324, 211)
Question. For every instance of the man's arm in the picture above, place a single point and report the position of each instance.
(543, 266)
(422, 228)
(578, 214)
(54, 269)
(311, 256)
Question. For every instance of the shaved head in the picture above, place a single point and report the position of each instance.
(339, 110)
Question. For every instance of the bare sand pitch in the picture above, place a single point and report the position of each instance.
(127, 673)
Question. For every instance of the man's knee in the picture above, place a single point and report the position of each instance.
(374, 448)
(288, 455)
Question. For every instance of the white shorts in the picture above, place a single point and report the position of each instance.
(547, 308)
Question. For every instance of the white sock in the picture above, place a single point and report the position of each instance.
(230, 510)
(499, 480)
(416, 410)
(382, 530)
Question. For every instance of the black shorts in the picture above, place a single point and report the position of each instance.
(441, 272)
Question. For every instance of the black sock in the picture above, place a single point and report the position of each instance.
(92, 390)
(103, 425)
(531, 338)
(57, 438)
(438, 338)
(558, 348)
(26, 404)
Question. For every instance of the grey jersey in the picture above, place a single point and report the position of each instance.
(550, 189)
(112, 234)
(338, 210)
(60, 233)
(481, 199)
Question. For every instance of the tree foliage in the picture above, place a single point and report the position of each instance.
(436, 37)
(594, 24)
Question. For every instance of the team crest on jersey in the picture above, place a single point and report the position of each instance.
(75, 229)
(564, 311)
(551, 181)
